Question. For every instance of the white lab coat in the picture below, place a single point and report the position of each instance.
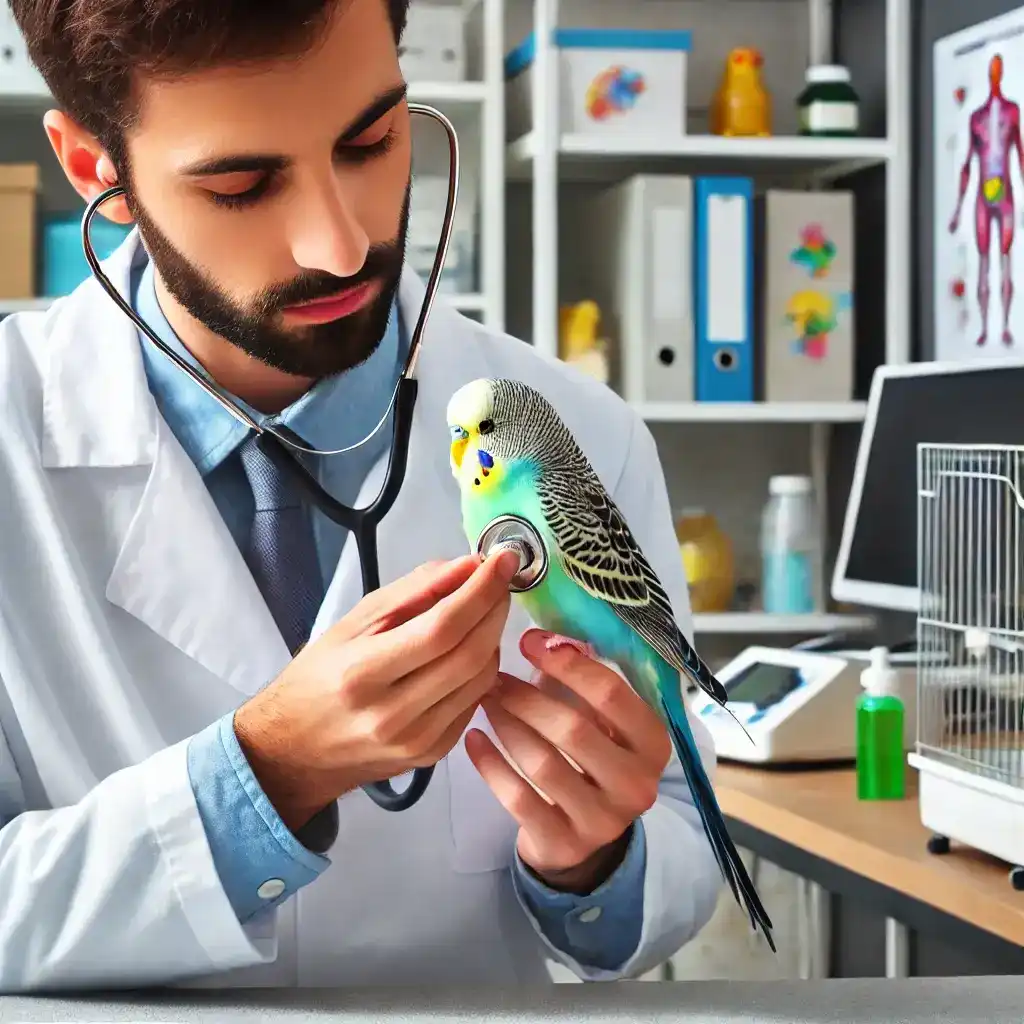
(129, 622)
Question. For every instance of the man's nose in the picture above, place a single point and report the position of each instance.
(327, 235)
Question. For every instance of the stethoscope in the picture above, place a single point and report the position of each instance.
(278, 443)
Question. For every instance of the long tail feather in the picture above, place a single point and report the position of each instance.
(729, 862)
(699, 674)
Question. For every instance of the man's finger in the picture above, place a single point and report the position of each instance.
(605, 691)
(407, 597)
(592, 817)
(568, 730)
(442, 627)
(529, 809)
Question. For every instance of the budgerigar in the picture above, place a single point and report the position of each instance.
(512, 454)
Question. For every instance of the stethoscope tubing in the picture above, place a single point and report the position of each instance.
(280, 444)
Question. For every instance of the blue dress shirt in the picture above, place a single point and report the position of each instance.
(259, 861)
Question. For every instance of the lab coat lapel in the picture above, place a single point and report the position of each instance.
(177, 568)
(180, 572)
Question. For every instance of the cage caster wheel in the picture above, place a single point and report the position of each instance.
(1017, 878)
(938, 845)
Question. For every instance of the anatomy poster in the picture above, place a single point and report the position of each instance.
(979, 191)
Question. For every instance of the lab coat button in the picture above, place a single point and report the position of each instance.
(591, 915)
(270, 889)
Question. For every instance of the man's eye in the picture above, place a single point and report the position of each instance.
(246, 190)
(374, 142)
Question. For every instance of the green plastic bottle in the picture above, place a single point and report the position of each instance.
(881, 771)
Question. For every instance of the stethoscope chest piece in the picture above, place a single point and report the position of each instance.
(513, 533)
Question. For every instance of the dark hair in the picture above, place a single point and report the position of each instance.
(88, 50)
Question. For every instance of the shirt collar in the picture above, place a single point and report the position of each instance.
(334, 413)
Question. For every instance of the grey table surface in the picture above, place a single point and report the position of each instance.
(848, 1001)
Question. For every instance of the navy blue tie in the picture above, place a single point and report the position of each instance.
(282, 552)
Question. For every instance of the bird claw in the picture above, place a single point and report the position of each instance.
(555, 641)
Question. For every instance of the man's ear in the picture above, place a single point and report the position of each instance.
(85, 164)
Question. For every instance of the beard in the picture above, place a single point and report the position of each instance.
(314, 351)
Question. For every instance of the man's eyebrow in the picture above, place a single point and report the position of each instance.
(265, 162)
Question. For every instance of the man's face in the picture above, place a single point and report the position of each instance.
(274, 199)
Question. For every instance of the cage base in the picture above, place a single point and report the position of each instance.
(979, 812)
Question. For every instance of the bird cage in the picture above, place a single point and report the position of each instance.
(970, 687)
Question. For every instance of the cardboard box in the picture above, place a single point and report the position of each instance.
(19, 187)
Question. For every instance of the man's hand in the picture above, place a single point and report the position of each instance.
(581, 709)
(390, 687)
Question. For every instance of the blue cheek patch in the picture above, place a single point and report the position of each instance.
(486, 459)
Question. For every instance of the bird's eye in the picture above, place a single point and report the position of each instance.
(486, 426)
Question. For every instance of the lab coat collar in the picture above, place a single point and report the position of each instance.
(97, 408)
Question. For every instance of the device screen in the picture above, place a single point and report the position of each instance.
(972, 407)
(762, 684)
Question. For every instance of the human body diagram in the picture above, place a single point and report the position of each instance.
(994, 137)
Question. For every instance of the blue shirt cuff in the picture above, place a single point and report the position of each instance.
(600, 930)
(260, 862)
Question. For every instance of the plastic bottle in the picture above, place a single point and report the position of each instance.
(828, 106)
(708, 560)
(790, 547)
(881, 773)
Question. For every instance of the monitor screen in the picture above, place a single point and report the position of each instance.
(877, 562)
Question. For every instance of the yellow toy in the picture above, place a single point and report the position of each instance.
(742, 106)
(578, 342)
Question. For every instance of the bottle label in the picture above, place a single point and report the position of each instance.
(820, 116)
(787, 583)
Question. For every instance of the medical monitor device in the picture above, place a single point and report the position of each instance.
(979, 402)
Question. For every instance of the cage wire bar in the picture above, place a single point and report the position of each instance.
(970, 688)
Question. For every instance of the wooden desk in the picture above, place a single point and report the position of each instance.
(811, 823)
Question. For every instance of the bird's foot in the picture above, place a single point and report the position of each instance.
(555, 641)
(1007, 337)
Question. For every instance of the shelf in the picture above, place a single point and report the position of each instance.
(23, 305)
(751, 412)
(758, 623)
(597, 158)
(446, 94)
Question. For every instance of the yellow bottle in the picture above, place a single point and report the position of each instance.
(707, 557)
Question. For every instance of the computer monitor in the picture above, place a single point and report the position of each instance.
(943, 403)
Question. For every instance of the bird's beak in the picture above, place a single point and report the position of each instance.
(458, 451)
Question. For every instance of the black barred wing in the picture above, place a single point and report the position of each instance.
(598, 551)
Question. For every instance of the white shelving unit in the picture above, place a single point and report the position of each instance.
(755, 623)
(752, 412)
(481, 104)
(547, 158)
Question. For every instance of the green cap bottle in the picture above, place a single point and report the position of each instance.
(881, 768)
